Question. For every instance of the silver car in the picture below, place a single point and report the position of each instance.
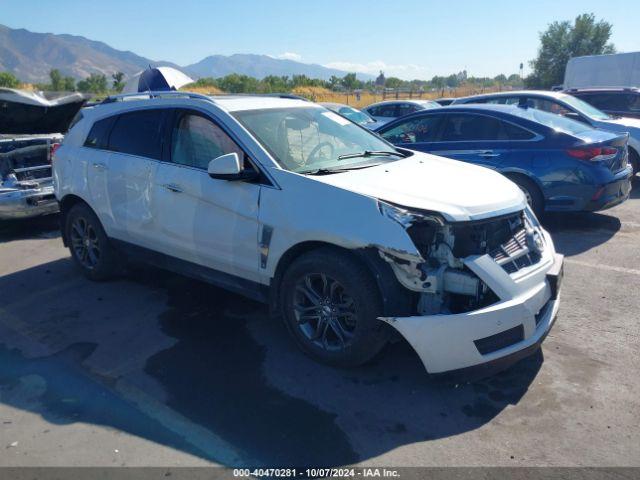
(353, 114)
(384, 112)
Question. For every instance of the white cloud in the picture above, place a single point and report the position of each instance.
(407, 71)
(289, 56)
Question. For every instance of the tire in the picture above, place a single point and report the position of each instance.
(532, 192)
(89, 245)
(350, 310)
(634, 160)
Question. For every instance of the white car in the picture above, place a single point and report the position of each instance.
(384, 112)
(288, 203)
(571, 107)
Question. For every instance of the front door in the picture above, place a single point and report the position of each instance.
(210, 222)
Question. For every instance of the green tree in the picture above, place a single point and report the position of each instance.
(57, 82)
(118, 81)
(349, 81)
(393, 82)
(94, 83)
(562, 41)
(68, 84)
(9, 80)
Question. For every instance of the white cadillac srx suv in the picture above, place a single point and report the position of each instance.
(341, 233)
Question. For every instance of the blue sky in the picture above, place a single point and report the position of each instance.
(405, 38)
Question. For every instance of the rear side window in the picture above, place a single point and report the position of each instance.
(138, 133)
(99, 135)
(513, 132)
(407, 108)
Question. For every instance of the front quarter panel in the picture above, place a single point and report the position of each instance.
(305, 210)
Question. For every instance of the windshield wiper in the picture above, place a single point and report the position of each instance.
(329, 171)
(370, 153)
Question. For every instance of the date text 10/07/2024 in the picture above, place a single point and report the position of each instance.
(316, 472)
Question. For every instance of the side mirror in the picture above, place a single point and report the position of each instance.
(227, 167)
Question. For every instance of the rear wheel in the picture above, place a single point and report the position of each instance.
(531, 192)
(90, 248)
(331, 307)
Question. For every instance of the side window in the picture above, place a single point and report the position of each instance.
(99, 134)
(416, 130)
(467, 127)
(406, 108)
(196, 140)
(504, 100)
(634, 102)
(547, 106)
(513, 132)
(138, 133)
(386, 111)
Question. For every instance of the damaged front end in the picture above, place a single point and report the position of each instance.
(26, 184)
(482, 289)
(438, 275)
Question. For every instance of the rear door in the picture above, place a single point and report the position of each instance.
(136, 144)
(474, 138)
(210, 222)
(415, 133)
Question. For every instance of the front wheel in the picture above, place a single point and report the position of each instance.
(331, 304)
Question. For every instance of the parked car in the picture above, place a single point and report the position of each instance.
(560, 164)
(384, 112)
(31, 127)
(443, 102)
(289, 203)
(617, 102)
(571, 107)
(353, 114)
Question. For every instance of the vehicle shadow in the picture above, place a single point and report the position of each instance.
(224, 365)
(594, 229)
(39, 227)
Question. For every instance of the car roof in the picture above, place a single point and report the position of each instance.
(604, 89)
(335, 105)
(387, 102)
(511, 93)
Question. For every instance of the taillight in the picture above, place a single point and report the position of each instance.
(593, 154)
(52, 150)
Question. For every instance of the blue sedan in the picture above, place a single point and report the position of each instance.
(560, 164)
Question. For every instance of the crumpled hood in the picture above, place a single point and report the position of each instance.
(459, 191)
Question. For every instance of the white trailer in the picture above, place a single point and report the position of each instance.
(616, 70)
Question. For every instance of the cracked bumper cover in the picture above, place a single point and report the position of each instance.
(445, 342)
(24, 203)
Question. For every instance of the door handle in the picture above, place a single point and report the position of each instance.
(99, 166)
(488, 154)
(172, 187)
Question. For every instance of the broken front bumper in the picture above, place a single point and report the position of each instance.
(526, 311)
(27, 202)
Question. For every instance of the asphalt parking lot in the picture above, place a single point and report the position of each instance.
(156, 369)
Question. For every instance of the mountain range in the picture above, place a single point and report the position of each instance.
(30, 56)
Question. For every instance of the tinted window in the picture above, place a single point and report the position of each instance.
(196, 140)
(617, 101)
(138, 133)
(547, 106)
(513, 132)
(466, 127)
(384, 110)
(99, 135)
(504, 100)
(416, 130)
(407, 108)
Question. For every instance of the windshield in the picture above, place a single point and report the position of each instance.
(585, 108)
(307, 139)
(356, 115)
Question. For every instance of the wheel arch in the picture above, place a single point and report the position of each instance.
(66, 204)
(395, 298)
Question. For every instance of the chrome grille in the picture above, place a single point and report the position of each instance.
(516, 253)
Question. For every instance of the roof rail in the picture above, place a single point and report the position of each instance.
(155, 94)
(209, 98)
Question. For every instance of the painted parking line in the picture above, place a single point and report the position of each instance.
(610, 268)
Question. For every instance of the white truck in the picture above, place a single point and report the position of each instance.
(615, 70)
